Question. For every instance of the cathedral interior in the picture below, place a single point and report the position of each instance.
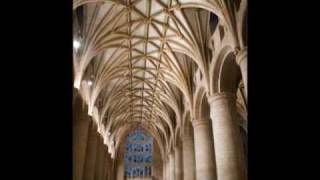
(160, 89)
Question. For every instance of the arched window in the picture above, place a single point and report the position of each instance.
(138, 154)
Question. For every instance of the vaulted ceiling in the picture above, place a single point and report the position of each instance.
(137, 59)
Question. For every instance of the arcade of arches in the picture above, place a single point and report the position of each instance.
(160, 89)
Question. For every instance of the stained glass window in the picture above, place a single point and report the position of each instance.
(138, 154)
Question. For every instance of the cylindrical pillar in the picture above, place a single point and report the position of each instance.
(113, 169)
(227, 141)
(108, 166)
(120, 166)
(188, 155)
(104, 171)
(100, 159)
(178, 162)
(164, 170)
(168, 168)
(89, 168)
(171, 166)
(204, 150)
(80, 138)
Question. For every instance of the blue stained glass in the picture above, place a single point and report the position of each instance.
(138, 154)
(148, 159)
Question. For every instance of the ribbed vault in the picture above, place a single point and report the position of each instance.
(135, 63)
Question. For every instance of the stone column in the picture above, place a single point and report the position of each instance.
(178, 162)
(80, 139)
(204, 150)
(108, 166)
(167, 168)
(104, 170)
(227, 142)
(188, 155)
(171, 166)
(164, 170)
(242, 59)
(113, 169)
(119, 165)
(89, 168)
(100, 159)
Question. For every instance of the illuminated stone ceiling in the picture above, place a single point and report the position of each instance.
(139, 61)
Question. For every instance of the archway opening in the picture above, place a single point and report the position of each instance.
(230, 74)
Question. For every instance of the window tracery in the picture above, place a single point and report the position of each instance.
(138, 154)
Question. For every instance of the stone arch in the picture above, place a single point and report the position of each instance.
(121, 136)
(200, 106)
(237, 4)
(185, 118)
(230, 74)
(213, 22)
(213, 8)
(77, 99)
(178, 135)
(242, 26)
(188, 128)
(201, 4)
(244, 29)
(225, 73)
(120, 148)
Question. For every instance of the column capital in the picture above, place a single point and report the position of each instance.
(241, 55)
(171, 154)
(165, 158)
(198, 122)
(219, 96)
